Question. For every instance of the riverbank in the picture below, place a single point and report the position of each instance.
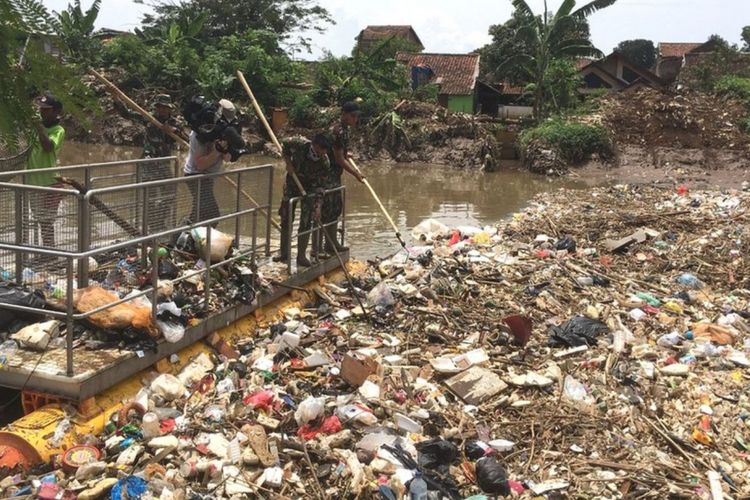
(611, 325)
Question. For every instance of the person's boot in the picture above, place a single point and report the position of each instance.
(302, 260)
(283, 253)
(332, 245)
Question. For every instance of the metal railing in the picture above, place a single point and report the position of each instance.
(108, 220)
(315, 230)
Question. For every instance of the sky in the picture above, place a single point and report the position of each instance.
(456, 26)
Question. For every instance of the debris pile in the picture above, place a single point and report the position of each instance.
(651, 118)
(595, 344)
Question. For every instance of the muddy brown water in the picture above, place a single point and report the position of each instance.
(410, 193)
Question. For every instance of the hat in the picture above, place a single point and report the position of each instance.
(227, 110)
(350, 107)
(163, 100)
(49, 101)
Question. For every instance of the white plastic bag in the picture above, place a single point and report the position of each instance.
(308, 410)
(220, 243)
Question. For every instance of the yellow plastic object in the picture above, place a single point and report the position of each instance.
(32, 435)
(29, 440)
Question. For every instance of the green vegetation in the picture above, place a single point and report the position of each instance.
(76, 29)
(25, 26)
(738, 88)
(639, 51)
(546, 38)
(575, 142)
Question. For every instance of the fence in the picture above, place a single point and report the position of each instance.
(316, 231)
(103, 223)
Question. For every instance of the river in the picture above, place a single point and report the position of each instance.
(410, 193)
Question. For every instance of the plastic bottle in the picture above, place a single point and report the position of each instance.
(150, 425)
(418, 488)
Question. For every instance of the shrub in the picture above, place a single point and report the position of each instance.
(575, 142)
(734, 86)
(304, 112)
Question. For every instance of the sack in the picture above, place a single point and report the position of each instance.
(220, 243)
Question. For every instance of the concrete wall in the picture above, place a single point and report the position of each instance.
(515, 112)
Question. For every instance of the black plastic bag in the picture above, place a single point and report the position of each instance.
(491, 477)
(15, 295)
(473, 450)
(566, 243)
(576, 332)
(436, 454)
(167, 269)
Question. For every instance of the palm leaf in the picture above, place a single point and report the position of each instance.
(565, 9)
(592, 7)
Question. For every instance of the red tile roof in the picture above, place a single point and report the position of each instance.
(456, 73)
(670, 49)
(583, 62)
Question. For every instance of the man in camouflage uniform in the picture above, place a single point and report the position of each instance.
(309, 160)
(158, 144)
(338, 155)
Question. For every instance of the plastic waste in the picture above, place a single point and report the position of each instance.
(381, 296)
(491, 476)
(128, 488)
(19, 296)
(436, 454)
(670, 339)
(150, 425)
(573, 389)
(567, 243)
(418, 487)
(308, 410)
(235, 451)
(690, 281)
(173, 332)
(575, 332)
(168, 387)
(429, 229)
(220, 243)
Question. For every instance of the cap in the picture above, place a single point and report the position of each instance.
(163, 100)
(227, 109)
(49, 101)
(350, 107)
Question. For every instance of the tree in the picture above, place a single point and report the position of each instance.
(285, 18)
(506, 40)
(76, 29)
(547, 38)
(746, 38)
(24, 26)
(639, 51)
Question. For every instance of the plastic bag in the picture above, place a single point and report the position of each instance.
(220, 243)
(429, 229)
(173, 332)
(167, 269)
(381, 296)
(309, 410)
(491, 476)
(437, 454)
(19, 296)
(576, 332)
(129, 488)
(566, 243)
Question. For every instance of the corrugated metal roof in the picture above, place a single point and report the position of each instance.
(457, 72)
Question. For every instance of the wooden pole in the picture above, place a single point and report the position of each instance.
(380, 204)
(148, 116)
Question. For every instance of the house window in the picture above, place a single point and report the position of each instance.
(595, 82)
(629, 75)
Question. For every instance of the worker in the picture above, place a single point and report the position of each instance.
(338, 155)
(159, 144)
(45, 151)
(207, 158)
(309, 161)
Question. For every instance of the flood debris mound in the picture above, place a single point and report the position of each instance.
(424, 132)
(594, 344)
(687, 119)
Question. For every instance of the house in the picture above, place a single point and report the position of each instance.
(671, 57)
(372, 35)
(455, 75)
(614, 73)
